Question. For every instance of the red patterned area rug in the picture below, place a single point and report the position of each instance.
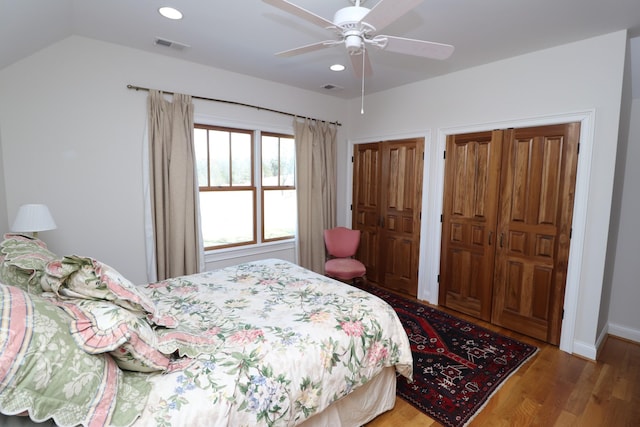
(457, 366)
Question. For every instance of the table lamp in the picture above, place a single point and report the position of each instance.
(33, 218)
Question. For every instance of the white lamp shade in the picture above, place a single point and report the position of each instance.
(33, 218)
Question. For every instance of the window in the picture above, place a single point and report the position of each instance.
(229, 207)
(278, 187)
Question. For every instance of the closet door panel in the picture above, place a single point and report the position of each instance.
(401, 204)
(472, 173)
(536, 206)
(366, 205)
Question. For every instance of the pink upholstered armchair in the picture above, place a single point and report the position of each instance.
(342, 244)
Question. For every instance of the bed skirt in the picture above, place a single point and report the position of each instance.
(362, 405)
(354, 410)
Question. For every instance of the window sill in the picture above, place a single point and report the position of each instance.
(278, 249)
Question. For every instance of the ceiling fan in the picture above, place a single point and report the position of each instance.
(357, 26)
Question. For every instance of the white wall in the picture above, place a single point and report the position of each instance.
(4, 219)
(583, 77)
(624, 316)
(72, 137)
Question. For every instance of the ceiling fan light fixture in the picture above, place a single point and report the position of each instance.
(170, 13)
(354, 44)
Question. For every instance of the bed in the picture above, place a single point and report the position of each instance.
(265, 343)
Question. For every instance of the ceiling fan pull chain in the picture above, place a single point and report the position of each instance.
(362, 97)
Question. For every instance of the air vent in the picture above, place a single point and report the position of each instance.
(332, 87)
(170, 43)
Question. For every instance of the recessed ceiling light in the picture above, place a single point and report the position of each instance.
(337, 67)
(171, 13)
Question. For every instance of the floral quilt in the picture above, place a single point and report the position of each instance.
(279, 344)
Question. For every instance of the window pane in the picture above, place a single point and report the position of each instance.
(287, 162)
(241, 159)
(270, 167)
(227, 217)
(279, 213)
(219, 147)
(202, 160)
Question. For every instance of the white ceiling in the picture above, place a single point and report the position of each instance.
(243, 35)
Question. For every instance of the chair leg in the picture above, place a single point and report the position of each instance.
(355, 280)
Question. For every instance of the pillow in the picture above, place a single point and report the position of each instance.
(101, 326)
(83, 277)
(23, 261)
(15, 276)
(43, 371)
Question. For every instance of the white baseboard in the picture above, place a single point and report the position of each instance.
(590, 351)
(586, 350)
(625, 332)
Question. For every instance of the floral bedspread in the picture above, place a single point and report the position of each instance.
(280, 344)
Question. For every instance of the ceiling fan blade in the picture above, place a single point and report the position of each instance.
(300, 12)
(307, 48)
(415, 47)
(385, 12)
(360, 69)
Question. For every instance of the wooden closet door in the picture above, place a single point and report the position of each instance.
(536, 208)
(401, 203)
(366, 205)
(387, 199)
(472, 174)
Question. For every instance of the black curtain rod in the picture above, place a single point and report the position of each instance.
(239, 103)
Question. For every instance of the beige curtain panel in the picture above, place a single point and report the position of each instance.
(316, 188)
(174, 190)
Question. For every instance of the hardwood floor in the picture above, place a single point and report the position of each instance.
(554, 388)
